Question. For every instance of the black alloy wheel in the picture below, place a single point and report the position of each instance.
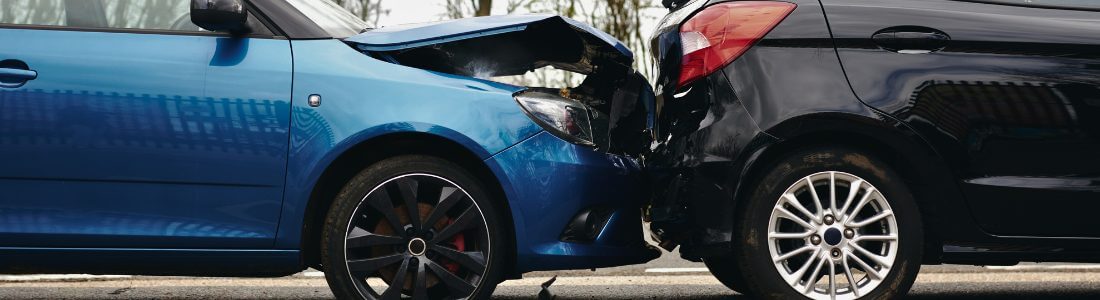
(419, 231)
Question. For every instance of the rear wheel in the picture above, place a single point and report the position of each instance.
(725, 269)
(829, 224)
(414, 226)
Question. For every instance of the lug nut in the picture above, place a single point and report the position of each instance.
(849, 233)
(815, 239)
(829, 220)
(836, 253)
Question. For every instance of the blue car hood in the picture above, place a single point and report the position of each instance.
(496, 45)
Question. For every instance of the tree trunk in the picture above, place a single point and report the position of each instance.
(484, 7)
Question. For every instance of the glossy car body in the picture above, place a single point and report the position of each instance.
(987, 109)
(198, 153)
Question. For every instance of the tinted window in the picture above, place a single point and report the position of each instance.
(117, 14)
(1079, 4)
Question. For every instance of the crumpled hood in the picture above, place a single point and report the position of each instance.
(496, 45)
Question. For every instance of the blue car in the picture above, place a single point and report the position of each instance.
(261, 138)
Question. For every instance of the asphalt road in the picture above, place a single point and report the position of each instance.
(665, 278)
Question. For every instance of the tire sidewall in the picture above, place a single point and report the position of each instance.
(354, 192)
(752, 234)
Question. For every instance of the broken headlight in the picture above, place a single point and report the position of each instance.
(561, 116)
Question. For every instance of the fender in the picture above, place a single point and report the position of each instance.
(346, 116)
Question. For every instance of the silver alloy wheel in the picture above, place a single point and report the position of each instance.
(832, 235)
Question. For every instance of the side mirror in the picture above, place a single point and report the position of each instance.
(220, 15)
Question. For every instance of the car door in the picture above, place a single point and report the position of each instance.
(1008, 91)
(122, 124)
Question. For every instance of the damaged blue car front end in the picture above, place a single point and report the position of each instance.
(573, 191)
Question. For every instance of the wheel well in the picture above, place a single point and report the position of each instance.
(914, 175)
(362, 155)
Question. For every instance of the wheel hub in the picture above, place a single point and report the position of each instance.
(418, 246)
(832, 236)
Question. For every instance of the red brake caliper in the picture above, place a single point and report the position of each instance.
(459, 241)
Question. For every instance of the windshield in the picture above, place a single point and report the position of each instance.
(334, 19)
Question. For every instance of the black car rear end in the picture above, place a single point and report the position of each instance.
(714, 127)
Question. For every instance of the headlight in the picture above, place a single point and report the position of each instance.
(563, 117)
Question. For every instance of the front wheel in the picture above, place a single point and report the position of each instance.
(416, 226)
(830, 224)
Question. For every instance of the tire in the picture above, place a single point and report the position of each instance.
(725, 269)
(445, 253)
(886, 235)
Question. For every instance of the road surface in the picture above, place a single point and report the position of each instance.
(665, 278)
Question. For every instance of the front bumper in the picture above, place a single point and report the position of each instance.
(549, 181)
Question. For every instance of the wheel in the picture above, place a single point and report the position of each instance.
(829, 224)
(416, 226)
(725, 269)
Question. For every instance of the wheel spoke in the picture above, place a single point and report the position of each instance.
(464, 221)
(848, 273)
(890, 237)
(832, 192)
(871, 272)
(380, 201)
(798, 206)
(812, 281)
(359, 238)
(832, 280)
(879, 260)
(793, 253)
(369, 265)
(789, 235)
(394, 291)
(460, 288)
(875, 218)
(472, 260)
(788, 215)
(420, 287)
(445, 204)
(404, 189)
(852, 190)
(813, 194)
(867, 194)
(805, 267)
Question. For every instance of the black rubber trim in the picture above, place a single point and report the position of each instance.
(1031, 5)
(130, 30)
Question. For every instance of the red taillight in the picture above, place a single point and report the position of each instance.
(720, 33)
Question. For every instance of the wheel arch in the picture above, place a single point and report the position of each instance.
(361, 155)
(922, 170)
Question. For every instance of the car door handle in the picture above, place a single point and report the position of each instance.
(13, 77)
(911, 39)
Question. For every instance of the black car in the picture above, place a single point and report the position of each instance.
(827, 149)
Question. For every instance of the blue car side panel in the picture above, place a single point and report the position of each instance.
(364, 98)
(548, 181)
(143, 140)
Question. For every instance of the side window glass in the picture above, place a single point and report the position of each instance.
(33, 12)
(147, 14)
(171, 15)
